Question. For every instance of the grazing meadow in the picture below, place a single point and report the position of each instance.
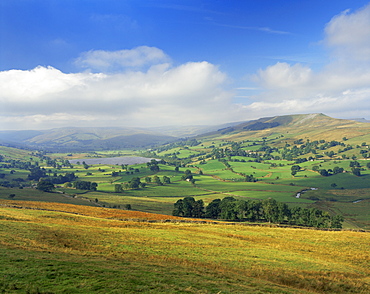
(79, 249)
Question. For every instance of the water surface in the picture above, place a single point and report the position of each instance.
(130, 160)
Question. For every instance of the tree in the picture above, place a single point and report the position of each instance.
(296, 216)
(283, 212)
(315, 168)
(324, 172)
(228, 209)
(93, 186)
(250, 178)
(295, 167)
(153, 165)
(85, 185)
(187, 175)
(178, 208)
(254, 210)
(213, 209)
(118, 188)
(67, 185)
(354, 164)
(270, 210)
(134, 183)
(198, 209)
(86, 166)
(336, 221)
(45, 185)
(166, 180)
(337, 170)
(36, 173)
(356, 171)
(189, 203)
(157, 180)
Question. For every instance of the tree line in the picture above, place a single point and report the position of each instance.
(268, 210)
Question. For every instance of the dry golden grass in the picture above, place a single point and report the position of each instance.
(99, 212)
(293, 260)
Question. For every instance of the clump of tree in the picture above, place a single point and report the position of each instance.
(153, 165)
(250, 178)
(135, 183)
(166, 180)
(295, 169)
(189, 207)
(85, 185)
(61, 179)
(36, 173)
(188, 176)
(268, 210)
(157, 180)
(326, 173)
(118, 188)
(45, 185)
(356, 171)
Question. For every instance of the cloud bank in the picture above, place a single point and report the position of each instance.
(340, 89)
(44, 97)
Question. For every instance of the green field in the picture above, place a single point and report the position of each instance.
(219, 164)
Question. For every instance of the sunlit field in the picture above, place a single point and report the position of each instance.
(79, 249)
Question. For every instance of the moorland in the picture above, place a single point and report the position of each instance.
(60, 211)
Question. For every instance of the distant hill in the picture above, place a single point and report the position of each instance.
(364, 120)
(314, 126)
(107, 138)
(82, 139)
(190, 131)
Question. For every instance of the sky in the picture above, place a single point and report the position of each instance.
(149, 63)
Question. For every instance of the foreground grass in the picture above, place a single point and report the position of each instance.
(77, 249)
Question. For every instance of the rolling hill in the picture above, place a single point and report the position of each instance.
(82, 139)
(316, 126)
(289, 127)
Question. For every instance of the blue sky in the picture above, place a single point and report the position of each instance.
(152, 63)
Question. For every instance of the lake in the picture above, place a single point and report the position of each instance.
(130, 160)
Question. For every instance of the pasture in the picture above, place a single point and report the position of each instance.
(76, 249)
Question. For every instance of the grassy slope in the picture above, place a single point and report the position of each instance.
(312, 126)
(93, 252)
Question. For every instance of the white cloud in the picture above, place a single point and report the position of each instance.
(101, 60)
(282, 75)
(192, 93)
(349, 34)
(340, 89)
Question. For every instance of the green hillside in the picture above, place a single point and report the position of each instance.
(76, 249)
(307, 126)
